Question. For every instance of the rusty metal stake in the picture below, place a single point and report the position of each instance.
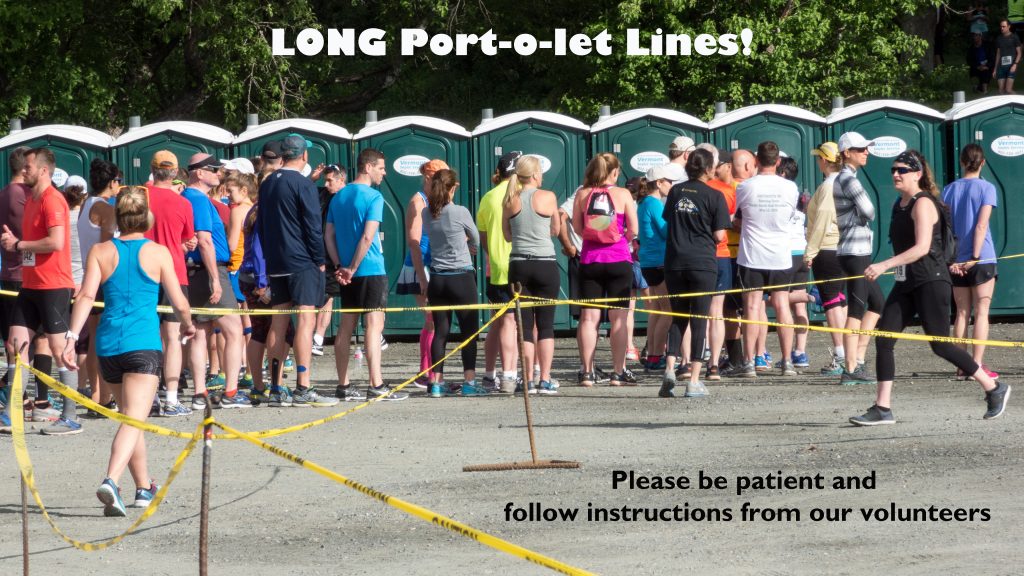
(527, 373)
(204, 500)
(24, 527)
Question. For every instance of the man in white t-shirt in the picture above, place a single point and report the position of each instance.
(767, 203)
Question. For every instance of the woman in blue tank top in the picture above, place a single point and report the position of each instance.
(131, 271)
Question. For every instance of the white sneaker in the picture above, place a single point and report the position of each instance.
(383, 343)
(318, 349)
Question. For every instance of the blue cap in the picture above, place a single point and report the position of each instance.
(294, 145)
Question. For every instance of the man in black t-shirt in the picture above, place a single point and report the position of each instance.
(1008, 54)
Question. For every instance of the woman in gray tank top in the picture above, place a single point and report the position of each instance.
(529, 221)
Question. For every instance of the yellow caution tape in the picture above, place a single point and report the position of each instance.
(412, 509)
(28, 473)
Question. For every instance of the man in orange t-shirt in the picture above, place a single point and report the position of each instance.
(47, 285)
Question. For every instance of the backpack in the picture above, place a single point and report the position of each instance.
(950, 246)
(600, 221)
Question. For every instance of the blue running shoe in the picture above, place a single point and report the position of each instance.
(143, 496)
(438, 390)
(280, 398)
(62, 427)
(800, 360)
(110, 496)
(5, 423)
(471, 388)
(547, 387)
(767, 358)
(761, 363)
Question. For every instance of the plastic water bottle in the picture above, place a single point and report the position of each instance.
(358, 354)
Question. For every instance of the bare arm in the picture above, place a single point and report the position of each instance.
(54, 241)
(369, 233)
(563, 234)
(235, 232)
(980, 230)
(506, 225)
(332, 249)
(925, 216)
(414, 233)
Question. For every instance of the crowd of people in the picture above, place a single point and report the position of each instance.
(213, 239)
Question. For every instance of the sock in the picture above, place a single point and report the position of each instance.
(426, 339)
(172, 397)
(318, 340)
(860, 361)
(43, 363)
(492, 374)
(510, 375)
(230, 393)
(69, 379)
(840, 352)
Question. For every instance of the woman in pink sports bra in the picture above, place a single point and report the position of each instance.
(606, 264)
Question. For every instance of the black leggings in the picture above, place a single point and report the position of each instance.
(682, 282)
(861, 293)
(931, 304)
(453, 290)
(539, 278)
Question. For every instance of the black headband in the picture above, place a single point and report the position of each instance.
(910, 160)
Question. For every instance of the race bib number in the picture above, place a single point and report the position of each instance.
(1006, 61)
(28, 259)
(900, 273)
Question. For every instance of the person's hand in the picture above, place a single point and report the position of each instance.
(7, 239)
(423, 286)
(569, 251)
(875, 270)
(69, 356)
(323, 267)
(187, 333)
(317, 172)
(191, 244)
(965, 266)
(215, 291)
(345, 276)
(808, 261)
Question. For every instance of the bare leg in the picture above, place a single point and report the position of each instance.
(586, 337)
(134, 397)
(982, 302)
(374, 322)
(342, 346)
(620, 338)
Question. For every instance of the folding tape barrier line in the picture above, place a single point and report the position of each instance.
(412, 509)
(28, 473)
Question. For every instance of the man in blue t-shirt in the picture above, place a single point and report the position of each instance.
(210, 287)
(353, 221)
(291, 235)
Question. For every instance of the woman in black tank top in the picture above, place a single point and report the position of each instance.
(922, 287)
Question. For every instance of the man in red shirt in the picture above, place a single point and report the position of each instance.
(172, 228)
(47, 285)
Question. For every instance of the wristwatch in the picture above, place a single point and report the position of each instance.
(69, 335)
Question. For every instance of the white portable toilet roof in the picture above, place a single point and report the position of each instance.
(661, 113)
(780, 109)
(396, 122)
(982, 105)
(185, 128)
(67, 132)
(873, 105)
(516, 117)
(298, 125)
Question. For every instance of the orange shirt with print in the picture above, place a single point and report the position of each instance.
(729, 247)
(52, 270)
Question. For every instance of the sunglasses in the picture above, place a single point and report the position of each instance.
(332, 168)
(901, 170)
(859, 150)
(118, 180)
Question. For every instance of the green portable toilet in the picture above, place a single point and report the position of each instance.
(133, 150)
(559, 142)
(894, 126)
(74, 147)
(641, 137)
(996, 124)
(795, 130)
(407, 142)
(332, 144)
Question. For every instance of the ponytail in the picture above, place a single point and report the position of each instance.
(526, 168)
(440, 186)
(599, 168)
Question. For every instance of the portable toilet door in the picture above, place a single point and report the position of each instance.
(74, 147)
(894, 126)
(795, 130)
(332, 144)
(640, 138)
(407, 142)
(133, 150)
(559, 142)
(996, 124)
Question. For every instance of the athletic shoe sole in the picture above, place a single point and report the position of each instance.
(110, 508)
(1006, 400)
(856, 422)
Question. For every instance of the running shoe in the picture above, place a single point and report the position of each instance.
(547, 388)
(748, 370)
(5, 423)
(713, 374)
(875, 416)
(383, 343)
(626, 378)
(632, 355)
(310, 397)
(62, 427)
(655, 367)
(110, 496)
(800, 359)
(422, 382)
(438, 390)
(198, 402)
(471, 388)
(788, 369)
(176, 409)
(385, 392)
(668, 382)
(835, 367)
(43, 414)
(683, 371)
(245, 382)
(695, 390)
(349, 394)
(996, 400)
(317, 350)
(144, 496)
(215, 400)
(239, 400)
(280, 398)
(532, 388)
(584, 379)
(767, 358)
(762, 363)
(217, 382)
(601, 375)
(857, 377)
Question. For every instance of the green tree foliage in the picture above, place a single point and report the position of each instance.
(97, 62)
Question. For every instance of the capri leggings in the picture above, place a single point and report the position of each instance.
(931, 304)
(861, 293)
(682, 282)
(453, 290)
(538, 278)
(826, 267)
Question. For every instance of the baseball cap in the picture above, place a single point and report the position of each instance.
(164, 159)
(507, 162)
(675, 172)
(428, 169)
(272, 150)
(243, 165)
(853, 140)
(294, 145)
(76, 180)
(655, 173)
(828, 151)
(682, 144)
(203, 161)
(724, 157)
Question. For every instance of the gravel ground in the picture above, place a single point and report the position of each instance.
(270, 516)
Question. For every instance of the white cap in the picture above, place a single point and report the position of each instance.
(59, 177)
(682, 144)
(853, 140)
(657, 173)
(76, 180)
(675, 172)
(243, 165)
